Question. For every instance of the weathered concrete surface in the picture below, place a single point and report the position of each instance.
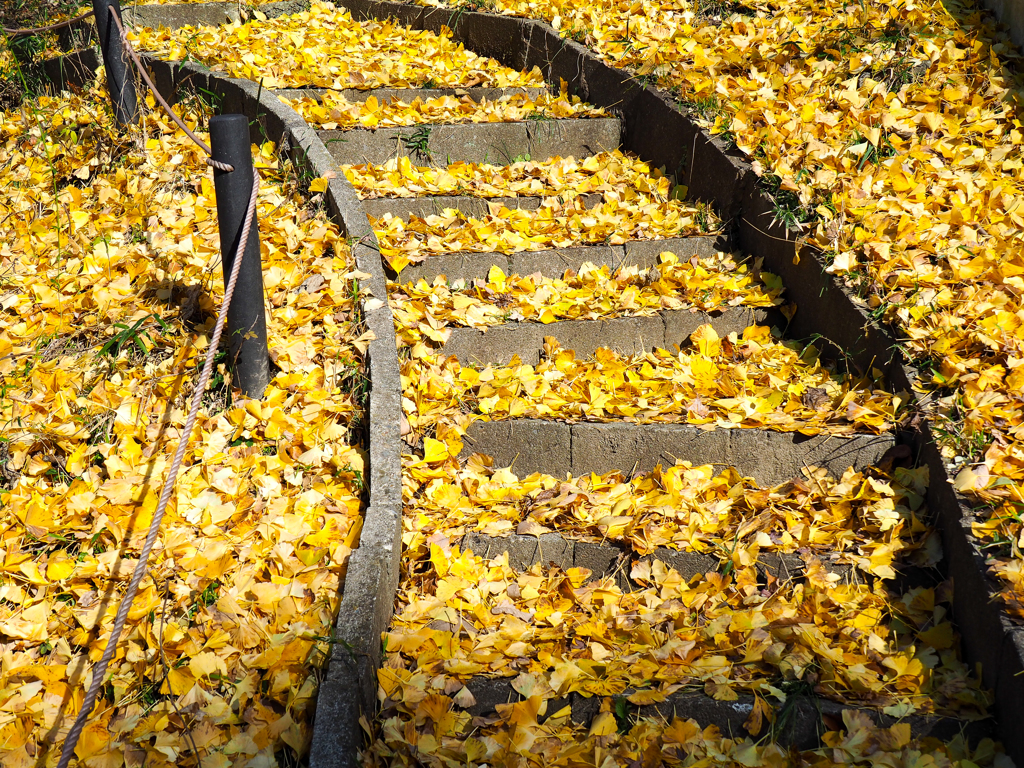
(534, 445)
(1010, 13)
(500, 143)
(624, 335)
(177, 16)
(404, 207)
(810, 716)
(407, 95)
(467, 266)
(615, 560)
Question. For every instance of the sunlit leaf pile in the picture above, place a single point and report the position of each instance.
(426, 313)
(335, 111)
(622, 216)
(531, 734)
(110, 277)
(461, 616)
(864, 518)
(596, 174)
(326, 47)
(746, 381)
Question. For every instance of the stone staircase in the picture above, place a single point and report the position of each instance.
(559, 448)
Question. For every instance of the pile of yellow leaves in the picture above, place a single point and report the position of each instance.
(326, 47)
(529, 733)
(423, 313)
(866, 518)
(461, 616)
(740, 381)
(897, 125)
(557, 176)
(625, 214)
(110, 270)
(335, 111)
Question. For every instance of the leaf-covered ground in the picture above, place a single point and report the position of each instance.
(335, 111)
(741, 381)
(326, 47)
(109, 280)
(556, 177)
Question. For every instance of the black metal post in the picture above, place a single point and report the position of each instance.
(120, 80)
(247, 322)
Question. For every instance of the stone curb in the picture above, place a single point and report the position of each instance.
(444, 143)
(623, 335)
(558, 448)
(468, 265)
(658, 131)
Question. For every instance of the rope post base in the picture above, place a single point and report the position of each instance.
(247, 321)
(120, 83)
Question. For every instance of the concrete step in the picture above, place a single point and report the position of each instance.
(468, 265)
(496, 143)
(615, 561)
(799, 723)
(405, 207)
(558, 448)
(624, 335)
(408, 95)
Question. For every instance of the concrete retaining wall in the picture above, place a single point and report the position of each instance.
(1010, 13)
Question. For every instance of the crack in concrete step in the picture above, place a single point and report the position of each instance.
(467, 265)
(808, 716)
(612, 560)
(404, 207)
(559, 448)
(624, 335)
(499, 143)
(408, 95)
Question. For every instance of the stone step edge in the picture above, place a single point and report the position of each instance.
(407, 95)
(470, 205)
(623, 335)
(553, 262)
(500, 143)
(560, 448)
(615, 560)
(803, 727)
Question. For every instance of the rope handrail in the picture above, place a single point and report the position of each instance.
(141, 566)
(160, 99)
(48, 28)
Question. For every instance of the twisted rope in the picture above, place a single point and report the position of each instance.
(160, 99)
(49, 28)
(154, 528)
(139, 572)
